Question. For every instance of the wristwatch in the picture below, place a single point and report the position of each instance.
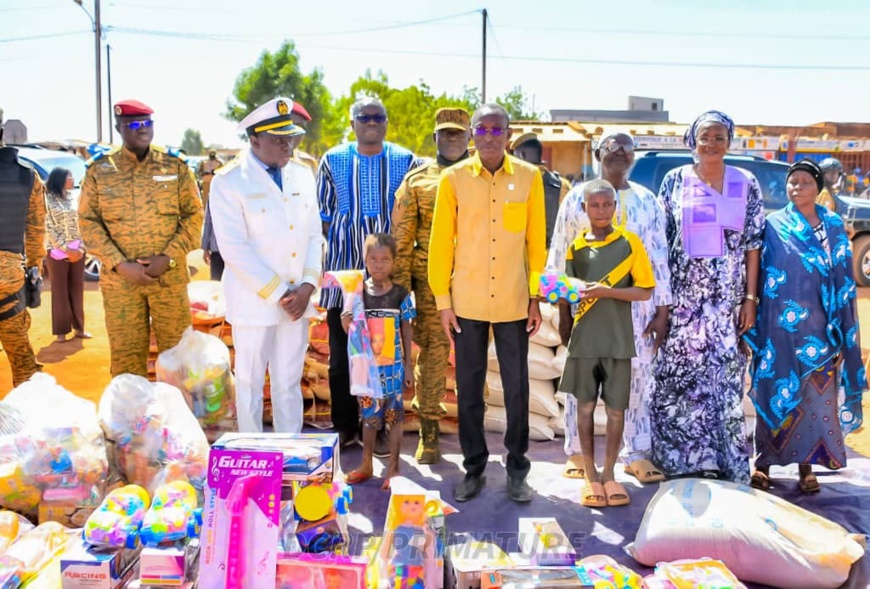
(750, 297)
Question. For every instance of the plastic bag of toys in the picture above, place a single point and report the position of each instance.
(34, 551)
(200, 367)
(153, 437)
(58, 456)
(11, 421)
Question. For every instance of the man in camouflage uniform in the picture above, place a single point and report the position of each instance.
(22, 234)
(528, 148)
(411, 224)
(205, 171)
(140, 214)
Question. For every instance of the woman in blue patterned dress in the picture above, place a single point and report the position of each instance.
(806, 339)
(714, 218)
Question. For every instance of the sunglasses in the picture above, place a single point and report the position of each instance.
(481, 131)
(135, 125)
(612, 146)
(371, 118)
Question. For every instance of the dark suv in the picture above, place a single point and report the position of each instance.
(650, 168)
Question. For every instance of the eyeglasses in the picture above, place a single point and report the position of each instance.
(612, 146)
(135, 125)
(718, 139)
(379, 118)
(481, 131)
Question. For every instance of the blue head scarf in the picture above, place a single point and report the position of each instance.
(714, 116)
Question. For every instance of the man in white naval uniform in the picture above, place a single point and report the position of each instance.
(267, 223)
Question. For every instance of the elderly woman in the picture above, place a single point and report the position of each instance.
(806, 345)
(713, 222)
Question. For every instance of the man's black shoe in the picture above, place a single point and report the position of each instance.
(469, 488)
(519, 490)
(346, 439)
(382, 444)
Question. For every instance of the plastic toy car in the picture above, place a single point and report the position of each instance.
(553, 286)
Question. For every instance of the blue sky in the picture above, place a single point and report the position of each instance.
(554, 49)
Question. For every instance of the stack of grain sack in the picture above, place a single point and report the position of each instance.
(546, 361)
(315, 374)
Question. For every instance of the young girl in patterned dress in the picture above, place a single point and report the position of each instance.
(389, 311)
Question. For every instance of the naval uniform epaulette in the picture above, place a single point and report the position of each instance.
(227, 167)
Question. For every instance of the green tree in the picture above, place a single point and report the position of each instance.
(517, 105)
(279, 74)
(192, 143)
(411, 110)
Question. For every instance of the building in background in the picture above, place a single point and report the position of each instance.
(640, 110)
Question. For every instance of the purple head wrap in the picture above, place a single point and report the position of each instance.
(714, 116)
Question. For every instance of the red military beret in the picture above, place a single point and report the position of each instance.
(132, 108)
(300, 110)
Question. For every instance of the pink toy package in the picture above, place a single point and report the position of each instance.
(241, 522)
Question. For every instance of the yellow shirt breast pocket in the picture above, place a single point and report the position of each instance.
(514, 216)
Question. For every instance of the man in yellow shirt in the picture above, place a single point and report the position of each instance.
(488, 239)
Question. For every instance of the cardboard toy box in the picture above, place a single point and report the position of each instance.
(67, 512)
(82, 567)
(544, 542)
(307, 457)
(467, 561)
(574, 577)
(167, 566)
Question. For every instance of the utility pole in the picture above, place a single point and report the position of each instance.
(109, 89)
(97, 51)
(95, 21)
(483, 81)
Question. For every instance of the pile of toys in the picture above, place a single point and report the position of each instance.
(272, 501)
(134, 535)
(152, 436)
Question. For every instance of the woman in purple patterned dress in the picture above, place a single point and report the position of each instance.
(714, 219)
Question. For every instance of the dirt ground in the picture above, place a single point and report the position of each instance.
(82, 366)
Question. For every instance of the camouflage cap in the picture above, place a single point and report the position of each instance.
(452, 118)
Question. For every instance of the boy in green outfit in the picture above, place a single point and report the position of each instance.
(614, 266)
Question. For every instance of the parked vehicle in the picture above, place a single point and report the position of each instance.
(44, 161)
(650, 168)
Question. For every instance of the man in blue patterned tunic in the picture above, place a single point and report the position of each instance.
(356, 186)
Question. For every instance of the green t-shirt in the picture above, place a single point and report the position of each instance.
(605, 329)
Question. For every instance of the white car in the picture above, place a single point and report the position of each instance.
(44, 161)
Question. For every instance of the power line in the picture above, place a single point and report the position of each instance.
(657, 33)
(615, 61)
(494, 38)
(541, 59)
(231, 37)
(45, 36)
(27, 8)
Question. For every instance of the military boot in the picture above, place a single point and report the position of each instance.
(427, 449)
